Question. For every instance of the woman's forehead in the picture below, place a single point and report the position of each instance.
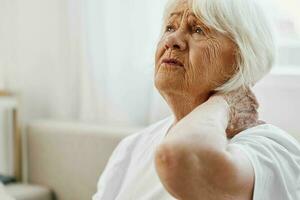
(179, 7)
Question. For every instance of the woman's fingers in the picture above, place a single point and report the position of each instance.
(243, 110)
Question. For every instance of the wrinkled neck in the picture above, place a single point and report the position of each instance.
(182, 105)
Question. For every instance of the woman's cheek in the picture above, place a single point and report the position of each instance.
(158, 54)
(198, 65)
(212, 49)
(212, 56)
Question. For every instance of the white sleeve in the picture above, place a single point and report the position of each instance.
(112, 175)
(275, 157)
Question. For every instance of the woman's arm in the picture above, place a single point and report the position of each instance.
(193, 162)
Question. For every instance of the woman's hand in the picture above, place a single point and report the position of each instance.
(243, 113)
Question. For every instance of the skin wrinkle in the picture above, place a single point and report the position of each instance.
(215, 52)
(211, 52)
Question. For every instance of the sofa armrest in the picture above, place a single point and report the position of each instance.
(19, 191)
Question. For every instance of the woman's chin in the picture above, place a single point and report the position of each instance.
(167, 83)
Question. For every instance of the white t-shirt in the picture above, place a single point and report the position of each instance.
(130, 173)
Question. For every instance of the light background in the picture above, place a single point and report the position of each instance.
(92, 61)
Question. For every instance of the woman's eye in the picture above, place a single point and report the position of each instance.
(198, 30)
(170, 29)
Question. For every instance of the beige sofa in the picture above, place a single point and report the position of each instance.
(65, 160)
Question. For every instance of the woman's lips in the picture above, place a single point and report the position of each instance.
(172, 61)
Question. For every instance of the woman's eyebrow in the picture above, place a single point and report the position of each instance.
(175, 13)
(180, 12)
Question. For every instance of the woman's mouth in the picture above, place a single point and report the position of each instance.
(172, 62)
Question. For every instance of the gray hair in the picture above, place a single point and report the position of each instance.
(245, 22)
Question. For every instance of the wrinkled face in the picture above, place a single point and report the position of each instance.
(192, 59)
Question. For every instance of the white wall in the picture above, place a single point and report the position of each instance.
(37, 57)
(279, 97)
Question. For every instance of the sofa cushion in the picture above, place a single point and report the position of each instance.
(3, 193)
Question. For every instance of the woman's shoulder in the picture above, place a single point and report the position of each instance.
(268, 133)
(275, 157)
(146, 135)
(135, 143)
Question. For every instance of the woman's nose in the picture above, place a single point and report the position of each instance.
(175, 41)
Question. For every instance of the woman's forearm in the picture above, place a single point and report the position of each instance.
(195, 147)
(204, 127)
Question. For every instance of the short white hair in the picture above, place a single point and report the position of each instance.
(246, 23)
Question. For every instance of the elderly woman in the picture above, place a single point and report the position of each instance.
(213, 147)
